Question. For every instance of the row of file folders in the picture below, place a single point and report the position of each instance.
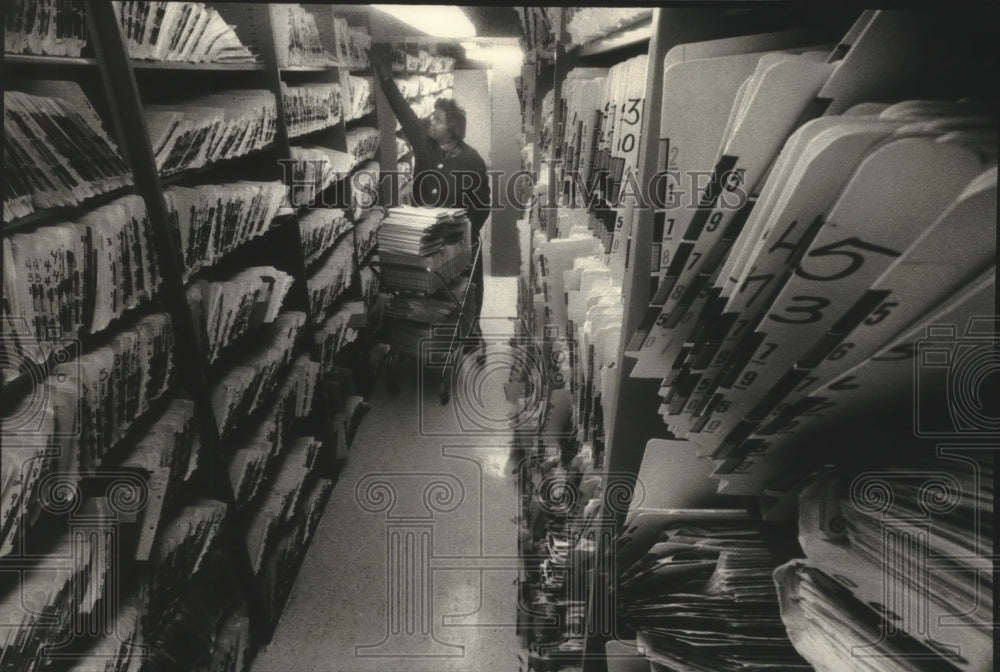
(74, 277)
(797, 288)
(59, 154)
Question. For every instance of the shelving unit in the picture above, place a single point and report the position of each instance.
(119, 86)
(640, 445)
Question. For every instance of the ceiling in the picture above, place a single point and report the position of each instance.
(494, 21)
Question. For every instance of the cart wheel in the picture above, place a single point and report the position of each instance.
(444, 391)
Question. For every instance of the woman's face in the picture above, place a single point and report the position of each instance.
(438, 127)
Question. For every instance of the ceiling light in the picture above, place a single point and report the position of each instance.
(435, 20)
(499, 55)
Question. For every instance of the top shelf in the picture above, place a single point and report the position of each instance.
(60, 61)
(32, 59)
(310, 68)
(200, 67)
(634, 34)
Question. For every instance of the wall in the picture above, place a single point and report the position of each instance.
(473, 94)
(505, 156)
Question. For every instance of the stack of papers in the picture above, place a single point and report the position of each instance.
(700, 592)
(426, 309)
(420, 231)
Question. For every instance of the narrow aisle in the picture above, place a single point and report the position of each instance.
(414, 564)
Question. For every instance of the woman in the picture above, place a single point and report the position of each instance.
(446, 171)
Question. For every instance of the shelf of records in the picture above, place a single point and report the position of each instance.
(353, 44)
(410, 58)
(316, 168)
(207, 625)
(602, 110)
(414, 87)
(560, 493)
(180, 31)
(77, 278)
(756, 330)
(212, 221)
(330, 280)
(88, 402)
(39, 481)
(320, 229)
(297, 38)
(893, 567)
(589, 24)
(58, 155)
(239, 391)
(312, 107)
(225, 309)
(210, 128)
(314, 38)
(252, 461)
(71, 607)
(45, 27)
(362, 98)
(539, 26)
(179, 34)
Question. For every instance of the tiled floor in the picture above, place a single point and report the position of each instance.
(413, 566)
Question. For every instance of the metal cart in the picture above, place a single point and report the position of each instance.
(411, 275)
